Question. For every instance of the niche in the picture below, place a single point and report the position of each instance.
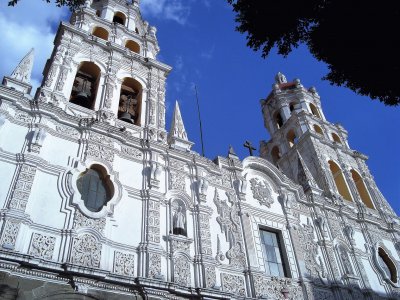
(178, 217)
(119, 18)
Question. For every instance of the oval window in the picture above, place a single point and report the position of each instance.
(387, 265)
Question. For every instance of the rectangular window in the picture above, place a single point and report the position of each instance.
(274, 264)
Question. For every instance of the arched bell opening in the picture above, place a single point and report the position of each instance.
(100, 32)
(340, 181)
(133, 46)
(84, 89)
(291, 138)
(318, 129)
(119, 18)
(362, 189)
(315, 111)
(336, 138)
(130, 101)
(278, 120)
(275, 153)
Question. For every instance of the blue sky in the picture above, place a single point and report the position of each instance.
(197, 38)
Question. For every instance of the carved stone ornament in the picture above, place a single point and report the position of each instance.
(271, 288)
(132, 152)
(9, 234)
(210, 276)
(182, 270)
(154, 265)
(261, 192)
(42, 246)
(179, 243)
(101, 152)
(66, 130)
(205, 234)
(86, 251)
(177, 180)
(24, 69)
(233, 284)
(22, 187)
(81, 221)
(124, 264)
(153, 219)
(229, 222)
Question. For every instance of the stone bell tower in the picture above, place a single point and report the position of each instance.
(103, 67)
(314, 152)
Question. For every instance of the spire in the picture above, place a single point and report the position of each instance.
(20, 78)
(177, 137)
(24, 69)
(304, 176)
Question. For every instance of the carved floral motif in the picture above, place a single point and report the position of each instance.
(9, 234)
(177, 180)
(81, 221)
(86, 251)
(181, 270)
(154, 264)
(124, 264)
(67, 131)
(100, 152)
(22, 187)
(271, 288)
(233, 284)
(261, 192)
(42, 246)
(133, 152)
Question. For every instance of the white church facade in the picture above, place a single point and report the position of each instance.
(99, 201)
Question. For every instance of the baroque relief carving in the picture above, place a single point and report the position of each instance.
(182, 270)
(42, 246)
(9, 234)
(229, 222)
(210, 276)
(205, 234)
(272, 288)
(154, 264)
(153, 219)
(66, 130)
(261, 192)
(124, 264)
(22, 187)
(86, 251)
(133, 152)
(177, 181)
(233, 284)
(101, 139)
(81, 221)
(101, 152)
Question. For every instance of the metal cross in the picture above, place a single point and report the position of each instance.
(248, 145)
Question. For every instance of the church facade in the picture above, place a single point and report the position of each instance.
(99, 201)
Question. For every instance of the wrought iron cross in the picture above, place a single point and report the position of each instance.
(248, 145)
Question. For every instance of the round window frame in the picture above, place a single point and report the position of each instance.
(380, 268)
(108, 208)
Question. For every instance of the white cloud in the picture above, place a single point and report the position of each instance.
(175, 10)
(30, 24)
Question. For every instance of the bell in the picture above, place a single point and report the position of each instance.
(127, 117)
(82, 99)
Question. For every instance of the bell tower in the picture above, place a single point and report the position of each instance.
(104, 67)
(314, 152)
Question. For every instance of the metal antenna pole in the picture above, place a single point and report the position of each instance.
(201, 127)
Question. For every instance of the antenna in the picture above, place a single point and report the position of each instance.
(201, 127)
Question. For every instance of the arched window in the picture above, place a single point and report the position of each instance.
(340, 181)
(85, 85)
(336, 138)
(119, 18)
(100, 32)
(95, 187)
(387, 265)
(314, 110)
(362, 189)
(133, 46)
(318, 129)
(130, 101)
(291, 138)
(278, 120)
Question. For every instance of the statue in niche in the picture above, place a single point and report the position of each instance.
(179, 222)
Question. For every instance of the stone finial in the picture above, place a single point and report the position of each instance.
(24, 69)
(231, 153)
(177, 137)
(280, 78)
